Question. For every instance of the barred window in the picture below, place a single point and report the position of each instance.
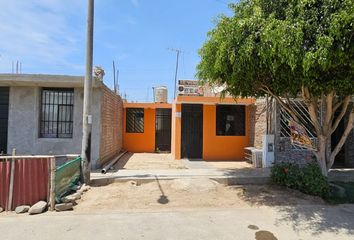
(56, 120)
(230, 120)
(135, 120)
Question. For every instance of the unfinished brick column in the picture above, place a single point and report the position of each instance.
(111, 125)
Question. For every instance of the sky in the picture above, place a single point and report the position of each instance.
(49, 37)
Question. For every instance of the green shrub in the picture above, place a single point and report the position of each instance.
(307, 179)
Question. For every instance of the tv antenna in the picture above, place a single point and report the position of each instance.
(178, 51)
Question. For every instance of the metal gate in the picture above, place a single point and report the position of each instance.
(163, 129)
(4, 114)
(192, 131)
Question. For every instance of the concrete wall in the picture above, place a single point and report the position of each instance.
(111, 126)
(23, 130)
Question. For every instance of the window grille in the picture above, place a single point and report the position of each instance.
(135, 120)
(303, 119)
(56, 120)
(230, 120)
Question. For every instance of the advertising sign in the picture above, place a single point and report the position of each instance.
(190, 88)
(299, 136)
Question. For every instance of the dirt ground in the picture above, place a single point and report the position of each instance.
(145, 161)
(187, 193)
(139, 161)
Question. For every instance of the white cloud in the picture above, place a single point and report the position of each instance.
(41, 32)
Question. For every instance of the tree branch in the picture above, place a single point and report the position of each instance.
(329, 110)
(337, 105)
(346, 102)
(340, 144)
(281, 102)
(311, 103)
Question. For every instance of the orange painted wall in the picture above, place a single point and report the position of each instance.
(141, 142)
(176, 132)
(225, 148)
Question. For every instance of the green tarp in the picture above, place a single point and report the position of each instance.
(66, 176)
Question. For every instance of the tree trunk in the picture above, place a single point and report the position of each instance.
(322, 154)
(324, 123)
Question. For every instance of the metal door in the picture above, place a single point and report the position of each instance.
(192, 131)
(163, 129)
(4, 114)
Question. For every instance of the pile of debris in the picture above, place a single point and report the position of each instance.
(66, 203)
(69, 201)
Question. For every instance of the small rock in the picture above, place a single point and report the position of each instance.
(37, 208)
(135, 183)
(64, 207)
(71, 198)
(1, 209)
(22, 209)
(84, 188)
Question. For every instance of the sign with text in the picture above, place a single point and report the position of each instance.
(190, 88)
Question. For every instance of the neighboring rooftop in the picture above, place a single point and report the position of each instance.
(44, 80)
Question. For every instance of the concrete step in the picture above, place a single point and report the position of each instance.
(224, 176)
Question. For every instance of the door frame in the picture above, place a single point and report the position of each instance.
(170, 130)
(184, 153)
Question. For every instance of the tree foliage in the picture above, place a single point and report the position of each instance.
(284, 48)
(282, 45)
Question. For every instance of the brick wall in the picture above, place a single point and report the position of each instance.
(111, 125)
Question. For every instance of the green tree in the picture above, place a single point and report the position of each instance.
(287, 48)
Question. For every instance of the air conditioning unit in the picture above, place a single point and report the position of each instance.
(254, 156)
(248, 154)
(257, 156)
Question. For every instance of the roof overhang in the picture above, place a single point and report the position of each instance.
(147, 105)
(44, 80)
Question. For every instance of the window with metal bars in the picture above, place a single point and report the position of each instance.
(57, 110)
(230, 120)
(135, 120)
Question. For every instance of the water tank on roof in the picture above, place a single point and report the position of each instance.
(160, 94)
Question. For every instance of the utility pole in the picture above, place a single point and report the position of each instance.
(87, 117)
(178, 51)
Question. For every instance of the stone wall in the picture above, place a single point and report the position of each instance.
(111, 126)
(287, 154)
(284, 151)
(257, 123)
(251, 113)
(261, 122)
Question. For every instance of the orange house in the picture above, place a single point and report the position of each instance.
(147, 127)
(208, 128)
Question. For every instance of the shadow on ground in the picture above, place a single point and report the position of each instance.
(303, 211)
